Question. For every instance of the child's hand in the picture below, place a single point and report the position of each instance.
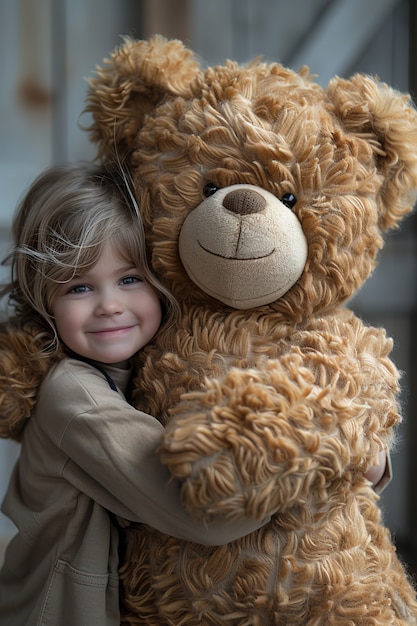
(380, 475)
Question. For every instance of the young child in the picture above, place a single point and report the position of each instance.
(79, 271)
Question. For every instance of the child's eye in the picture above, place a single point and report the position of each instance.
(79, 289)
(131, 280)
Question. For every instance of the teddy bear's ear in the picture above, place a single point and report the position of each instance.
(387, 120)
(138, 76)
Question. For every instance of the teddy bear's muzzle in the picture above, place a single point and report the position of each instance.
(243, 246)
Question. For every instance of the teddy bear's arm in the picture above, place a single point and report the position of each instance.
(267, 439)
(24, 362)
(255, 442)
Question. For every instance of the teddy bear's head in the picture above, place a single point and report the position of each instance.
(258, 188)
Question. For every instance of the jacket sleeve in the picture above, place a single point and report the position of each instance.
(110, 454)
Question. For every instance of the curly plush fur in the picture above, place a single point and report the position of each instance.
(23, 366)
(280, 408)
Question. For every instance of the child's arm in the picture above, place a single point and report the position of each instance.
(108, 451)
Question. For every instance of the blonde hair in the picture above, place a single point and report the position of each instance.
(59, 230)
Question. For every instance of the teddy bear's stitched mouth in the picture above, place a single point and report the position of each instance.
(235, 258)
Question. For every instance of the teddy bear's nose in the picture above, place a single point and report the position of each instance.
(244, 201)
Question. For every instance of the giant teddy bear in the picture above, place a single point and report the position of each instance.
(266, 199)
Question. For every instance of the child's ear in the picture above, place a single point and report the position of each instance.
(138, 77)
(387, 120)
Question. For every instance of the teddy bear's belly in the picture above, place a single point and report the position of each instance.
(286, 428)
(303, 568)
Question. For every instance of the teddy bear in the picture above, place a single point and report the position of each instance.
(266, 199)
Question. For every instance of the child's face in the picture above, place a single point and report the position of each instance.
(108, 313)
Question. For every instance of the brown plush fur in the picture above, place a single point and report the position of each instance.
(278, 410)
(23, 365)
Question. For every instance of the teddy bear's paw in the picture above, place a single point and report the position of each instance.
(256, 442)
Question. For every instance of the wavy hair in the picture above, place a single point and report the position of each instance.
(59, 230)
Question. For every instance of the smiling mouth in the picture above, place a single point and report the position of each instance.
(236, 258)
(109, 331)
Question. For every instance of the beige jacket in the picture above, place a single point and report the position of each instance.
(85, 452)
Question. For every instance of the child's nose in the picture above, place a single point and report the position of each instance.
(109, 303)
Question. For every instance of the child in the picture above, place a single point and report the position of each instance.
(79, 271)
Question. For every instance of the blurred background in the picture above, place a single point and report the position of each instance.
(49, 47)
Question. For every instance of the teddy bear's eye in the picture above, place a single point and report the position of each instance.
(289, 200)
(209, 189)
